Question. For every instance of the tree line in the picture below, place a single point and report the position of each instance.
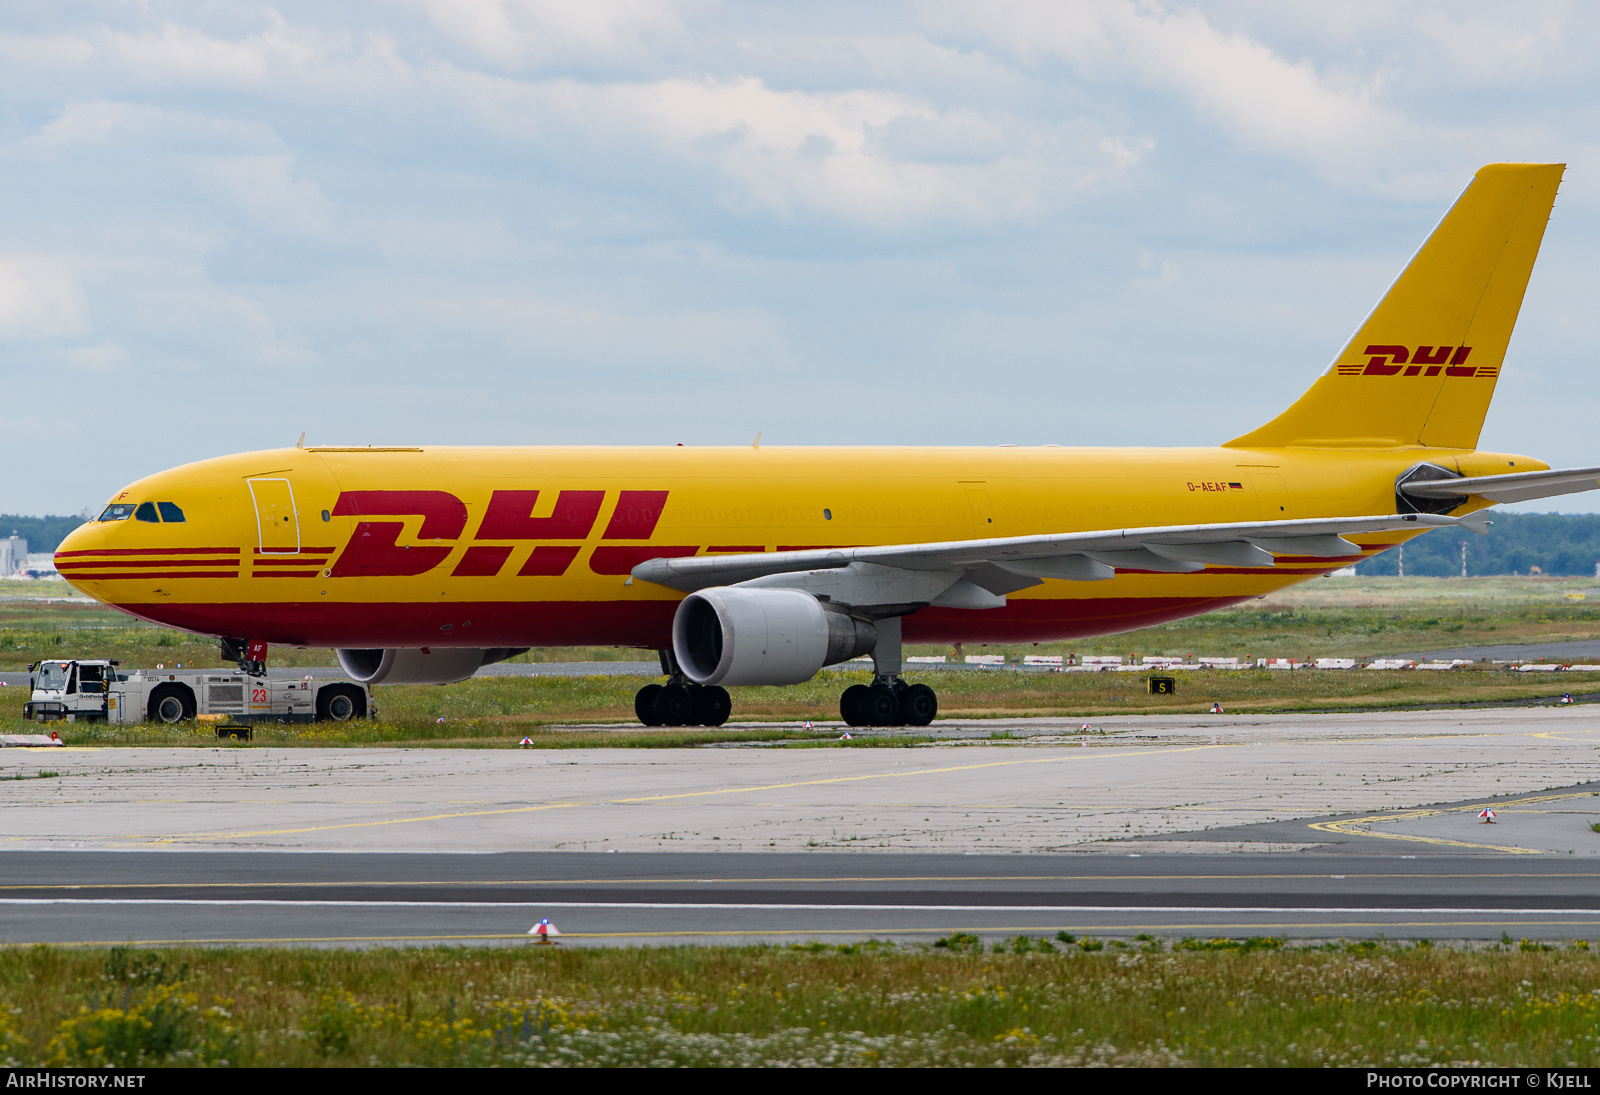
(1556, 543)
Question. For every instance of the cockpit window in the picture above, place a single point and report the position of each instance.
(147, 512)
(170, 513)
(117, 511)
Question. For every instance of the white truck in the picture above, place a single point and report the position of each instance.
(95, 691)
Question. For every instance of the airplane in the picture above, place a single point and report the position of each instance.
(762, 565)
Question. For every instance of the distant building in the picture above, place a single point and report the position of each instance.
(39, 565)
(13, 554)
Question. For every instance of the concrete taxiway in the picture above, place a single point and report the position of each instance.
(1143, 776)
(1304, 825)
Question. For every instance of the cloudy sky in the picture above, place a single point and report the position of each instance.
(645, 221)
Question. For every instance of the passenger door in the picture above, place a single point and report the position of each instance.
(277, 520)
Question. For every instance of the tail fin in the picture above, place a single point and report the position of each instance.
(1422, 368)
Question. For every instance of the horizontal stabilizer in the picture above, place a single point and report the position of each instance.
(1517, 487)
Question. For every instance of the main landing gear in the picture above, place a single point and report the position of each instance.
(888, 700)
(680, 702)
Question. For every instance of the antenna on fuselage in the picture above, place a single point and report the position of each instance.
(756, 444)
(300, 444)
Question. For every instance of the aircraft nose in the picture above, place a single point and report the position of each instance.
(86, 539)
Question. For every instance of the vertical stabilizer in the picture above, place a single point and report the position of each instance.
(1422, 368)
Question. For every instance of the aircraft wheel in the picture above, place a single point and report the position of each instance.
(919, 705)
(712, 705)
(171, 703)
(882, 706)
(674, 705)
(644, 704)
(853, 705)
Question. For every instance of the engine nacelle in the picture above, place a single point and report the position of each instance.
(728, 635)
(427, 665)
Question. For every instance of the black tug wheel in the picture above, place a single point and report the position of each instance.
(340, 703)
(918, 705)
(644, 704)
(171, 703)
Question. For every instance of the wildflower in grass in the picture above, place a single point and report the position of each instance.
(163, 1026)
(11, 1044)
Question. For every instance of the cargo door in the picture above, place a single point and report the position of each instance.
(277, 520)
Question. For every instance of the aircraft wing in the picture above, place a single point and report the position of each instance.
(978, 573)
(1516, 487)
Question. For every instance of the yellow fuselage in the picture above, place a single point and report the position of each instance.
(492, 547)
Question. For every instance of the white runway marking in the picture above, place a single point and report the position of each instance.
(786, 906)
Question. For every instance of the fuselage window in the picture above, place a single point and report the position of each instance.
(147, 512)
(119, 511)
(170, 513)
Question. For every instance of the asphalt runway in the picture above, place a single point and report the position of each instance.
(89, 898)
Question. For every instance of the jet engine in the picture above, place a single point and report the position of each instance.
(423, 665)
(727, 635)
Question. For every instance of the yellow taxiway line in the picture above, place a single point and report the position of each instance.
(1348, 826)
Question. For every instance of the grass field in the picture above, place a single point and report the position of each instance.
(1327, 617)
(1024, 1001)
(495, 712)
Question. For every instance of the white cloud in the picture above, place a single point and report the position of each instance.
(266, 189)
(40, 299)
(515, 34)
(1337, 124)
(145, 130)
(871, 157)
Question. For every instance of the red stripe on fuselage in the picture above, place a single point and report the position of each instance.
(150, 551)
(79, 576)
(645, 624)
(77, 565)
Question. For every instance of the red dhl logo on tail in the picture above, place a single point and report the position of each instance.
(1425, 361)
(374, 550)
